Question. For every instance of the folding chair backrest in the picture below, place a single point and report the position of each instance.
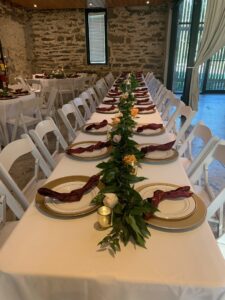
(202, 132)
(187, 113)
(85, 96)
(109, 79)
(40, 132)
(72, 126)
(51, 100)
(92, 92)
(82, 105)
(10, 154)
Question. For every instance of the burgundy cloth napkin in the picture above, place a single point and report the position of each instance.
(99, 145)
(143, 101)
(150, 107)
(74, 195)
(102, 109)
(114, 94)
(144, 89)
(97, 125)
(159, 195)
(141, 94)
(110, 101)
(162, 147)
(152, 126)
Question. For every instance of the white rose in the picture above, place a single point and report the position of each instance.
(117, 138)
(110, 200)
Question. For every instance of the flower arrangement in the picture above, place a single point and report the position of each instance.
(59, 73)
(118, 176)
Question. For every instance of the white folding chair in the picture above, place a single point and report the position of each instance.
(6, 228)
(23, 83)
(48, 108)
(181, 124)
(82, 107)
(101, 89)
(72, 119)
(148, 77)
(94, 96)
(86, 97)
(203, 186)
(66, 87)
(172, 111)
(200, 134)
(27, 114)
(9, 155)
(109, 79)
(79, 85)
(40, 132)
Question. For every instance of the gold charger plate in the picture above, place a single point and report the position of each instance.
(89, 157)
(41, 201)
(153, 133)
(95, 132)
(187, 223)
(174, 155)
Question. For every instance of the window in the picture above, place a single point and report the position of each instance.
(96, 36)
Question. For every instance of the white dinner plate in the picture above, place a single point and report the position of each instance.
(96, 154)
(169, 208)
(73, 207)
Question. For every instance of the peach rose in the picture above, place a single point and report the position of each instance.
(115, 121)
(129, 159)
(134, 111)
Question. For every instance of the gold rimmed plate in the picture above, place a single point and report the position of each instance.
(149, 132)
(60, 209)
(159, 157)
(95, 155)
(101, 131)
(192, 219)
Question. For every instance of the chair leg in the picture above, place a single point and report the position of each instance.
(14, 132)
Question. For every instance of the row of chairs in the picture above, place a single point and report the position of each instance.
(197, 165)
(36, 144)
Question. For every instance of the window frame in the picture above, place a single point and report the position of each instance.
(96, 10)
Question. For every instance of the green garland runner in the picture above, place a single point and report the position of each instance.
(118, 176)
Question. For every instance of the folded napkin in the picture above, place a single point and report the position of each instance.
(110, 101)
(159, 195)
(113, 94)
(97, 125)
(141, 94)
(150, 107)
(99, 145)
(74, 195)
(143, 101)
(152, 126)
(144, 89)
(102, 109)
(162, 147)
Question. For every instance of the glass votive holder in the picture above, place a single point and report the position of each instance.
(104, 216)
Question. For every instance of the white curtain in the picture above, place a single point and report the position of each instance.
(213, 39)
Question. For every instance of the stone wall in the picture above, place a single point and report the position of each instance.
(43, 40)
(136, 39)
(14, 35)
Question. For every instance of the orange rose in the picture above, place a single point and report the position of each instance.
(134, 111)
(130, 159)
(115, 121)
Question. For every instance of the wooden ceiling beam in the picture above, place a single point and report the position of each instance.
(69, 4)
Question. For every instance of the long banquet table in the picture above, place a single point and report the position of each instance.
(47, 258)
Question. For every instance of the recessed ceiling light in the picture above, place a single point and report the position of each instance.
(147, 2)
(35, 5)
(90, 4)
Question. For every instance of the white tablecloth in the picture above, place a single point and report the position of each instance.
(8, 110)
(47, 258)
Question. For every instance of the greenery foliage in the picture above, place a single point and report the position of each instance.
(119, 177)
